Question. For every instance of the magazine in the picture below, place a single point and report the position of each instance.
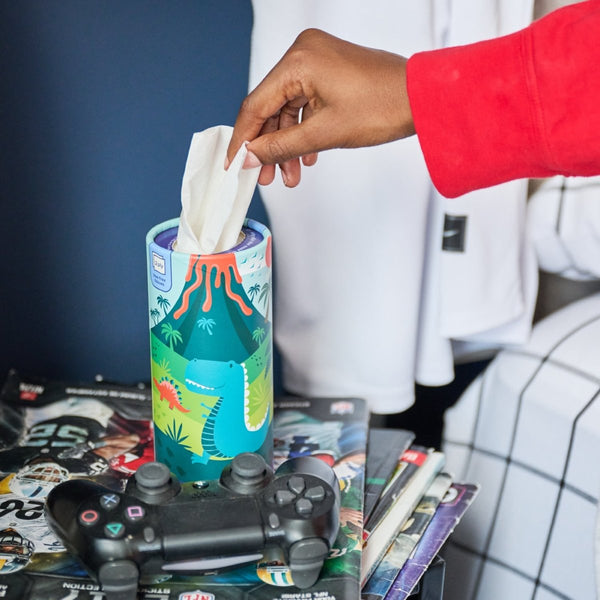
(378, 540)
(381, 581)
(53, 431)
(448, 514)
(407, 465)
(386, 446)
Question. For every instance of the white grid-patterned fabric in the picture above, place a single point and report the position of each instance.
(564, 220)
(528, 430)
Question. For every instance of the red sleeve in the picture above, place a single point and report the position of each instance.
(523, 105)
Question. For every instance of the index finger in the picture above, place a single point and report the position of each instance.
(265, 101)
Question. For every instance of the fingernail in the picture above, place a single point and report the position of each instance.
(226, 163)
(251, 161)
(284, 177)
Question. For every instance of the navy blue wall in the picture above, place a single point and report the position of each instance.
(98, 103)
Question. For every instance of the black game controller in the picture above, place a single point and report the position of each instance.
(159, 526)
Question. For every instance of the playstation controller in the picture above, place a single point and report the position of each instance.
(158, 526)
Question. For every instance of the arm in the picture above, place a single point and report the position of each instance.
(524, 105)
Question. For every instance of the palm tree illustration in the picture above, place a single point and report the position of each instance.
(264, 292)
(258, 334)
(173, 336)
(163, 303)
(206, 324)
(253, 290)
(155, 314)
(265, 295)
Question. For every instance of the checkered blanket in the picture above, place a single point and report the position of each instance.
(528, 429)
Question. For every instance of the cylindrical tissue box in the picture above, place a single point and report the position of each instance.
(211, 349)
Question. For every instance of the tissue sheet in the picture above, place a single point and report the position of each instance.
(214, 202)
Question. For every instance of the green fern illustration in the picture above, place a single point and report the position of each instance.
(175, 434)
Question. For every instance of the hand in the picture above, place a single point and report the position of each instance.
(324, 93)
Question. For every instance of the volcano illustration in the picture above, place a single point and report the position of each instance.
(213, 317)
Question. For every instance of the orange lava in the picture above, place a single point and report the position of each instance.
(200, 269)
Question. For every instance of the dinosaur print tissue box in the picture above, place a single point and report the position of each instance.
(211, 351)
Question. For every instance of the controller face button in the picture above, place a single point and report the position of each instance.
(114, 530)
(89, 517)
(316, 494)
(283, 497)
(304, 506)
(109, 501)
(274, 521)
(134, 513)
(296, 484)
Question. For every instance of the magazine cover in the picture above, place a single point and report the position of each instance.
(448, 514)
(52, 431)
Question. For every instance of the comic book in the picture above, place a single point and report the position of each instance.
(387, 570)
(406, 466)
(378, 540)
(52, 431)
(386, 446)
(448, 514)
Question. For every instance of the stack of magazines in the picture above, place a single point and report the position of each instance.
(411, 507)
(397, 505)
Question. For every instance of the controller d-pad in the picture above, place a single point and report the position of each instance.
(299, 493)
(303, 506)
(283, 497)
(316, 493)
(296, 484)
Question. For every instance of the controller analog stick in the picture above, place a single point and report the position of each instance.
(153, 477)
(246, 474)
(154, 483)
(249, 469)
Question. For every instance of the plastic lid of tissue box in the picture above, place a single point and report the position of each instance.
(249, 237)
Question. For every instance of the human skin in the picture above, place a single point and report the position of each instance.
(324, 93)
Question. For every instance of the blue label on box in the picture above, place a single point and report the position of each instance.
(160, 267)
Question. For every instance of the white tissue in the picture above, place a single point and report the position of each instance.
(214, 202)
